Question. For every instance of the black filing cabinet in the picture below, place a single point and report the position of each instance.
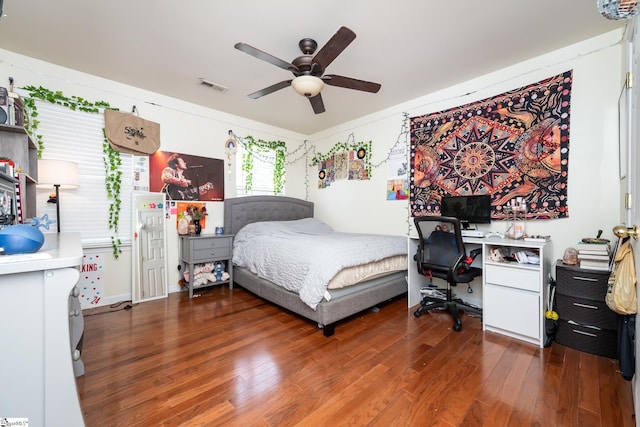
(586, 323)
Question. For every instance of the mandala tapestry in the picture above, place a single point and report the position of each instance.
(515, 145)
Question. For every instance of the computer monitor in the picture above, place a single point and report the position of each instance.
(468, 209)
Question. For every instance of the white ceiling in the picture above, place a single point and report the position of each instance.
(411, 47)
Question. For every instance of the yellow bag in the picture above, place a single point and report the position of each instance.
(621, 290)
(131, 134)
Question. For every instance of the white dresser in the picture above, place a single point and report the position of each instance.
(37, 368)
(514, 295)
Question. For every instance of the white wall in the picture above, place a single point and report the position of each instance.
(361, 206)
(184, 127)
(631, 216)
(593, 193)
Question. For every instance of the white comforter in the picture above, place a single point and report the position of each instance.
(304, 255)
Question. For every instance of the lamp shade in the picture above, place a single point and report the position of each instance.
(308, 86)
(58, 172)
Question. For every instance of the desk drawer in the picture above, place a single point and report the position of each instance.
(512, 310)
(514, 277)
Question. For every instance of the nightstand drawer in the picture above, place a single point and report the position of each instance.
(208, 243)
(581, 283)
(588, 339)
(206, 248)
(586, 312)
(210, 254)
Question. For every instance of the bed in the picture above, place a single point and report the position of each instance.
(344, 301)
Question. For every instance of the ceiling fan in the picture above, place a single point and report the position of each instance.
(309, 69)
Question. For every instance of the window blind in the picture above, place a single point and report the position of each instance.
(78, 136)
(263, 166)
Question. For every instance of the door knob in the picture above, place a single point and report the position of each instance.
(624, 231)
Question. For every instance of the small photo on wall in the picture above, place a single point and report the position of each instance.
(186, 177)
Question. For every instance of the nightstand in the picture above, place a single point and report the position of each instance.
(203, 249)
(586, 323)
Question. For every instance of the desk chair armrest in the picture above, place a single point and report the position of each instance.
(463, 265)
(459, 266)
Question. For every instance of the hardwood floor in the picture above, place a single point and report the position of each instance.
(229, 358)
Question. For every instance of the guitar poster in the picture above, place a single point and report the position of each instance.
(186, 177)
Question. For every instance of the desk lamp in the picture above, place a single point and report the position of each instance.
(59, 173)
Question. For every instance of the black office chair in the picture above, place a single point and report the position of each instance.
(441, 254)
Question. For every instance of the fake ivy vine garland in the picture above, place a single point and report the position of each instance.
(363, 150)
(111, 157)
(253, 147)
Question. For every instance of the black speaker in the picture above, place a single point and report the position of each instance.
(4, 105)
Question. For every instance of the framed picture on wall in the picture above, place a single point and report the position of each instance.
(186, 177)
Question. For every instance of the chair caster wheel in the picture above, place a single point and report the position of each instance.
(417, 313)
(457, 327)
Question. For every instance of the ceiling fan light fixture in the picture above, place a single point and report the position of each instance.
(308, 86)
(618, 9)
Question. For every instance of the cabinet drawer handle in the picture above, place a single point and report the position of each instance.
(593, 307)
(571, 322)
(585, 279)
(585, 333)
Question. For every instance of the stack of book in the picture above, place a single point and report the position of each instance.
(594, 256)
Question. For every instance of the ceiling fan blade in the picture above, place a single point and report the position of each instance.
(349, 83)
(317, 104)
(265, 56)
(270, 89)
(336, 44)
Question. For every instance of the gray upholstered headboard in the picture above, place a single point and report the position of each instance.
(240, 211)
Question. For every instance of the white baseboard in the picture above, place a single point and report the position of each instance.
(119, 298)
(105, 301)
(175, 288)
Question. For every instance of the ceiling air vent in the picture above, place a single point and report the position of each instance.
(212, 85)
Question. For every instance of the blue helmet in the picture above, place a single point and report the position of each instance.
(20, 239)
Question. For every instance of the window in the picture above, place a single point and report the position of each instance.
(260, 167)
(78, 136)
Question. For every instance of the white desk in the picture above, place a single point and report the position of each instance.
(512, 296)
(36, 372)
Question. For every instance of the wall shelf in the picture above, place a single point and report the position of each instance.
(17, 145)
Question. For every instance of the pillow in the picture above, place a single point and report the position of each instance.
(307, 226)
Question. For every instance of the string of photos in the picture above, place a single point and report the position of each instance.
(398, 165)
(349, 160)
(345, 160)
